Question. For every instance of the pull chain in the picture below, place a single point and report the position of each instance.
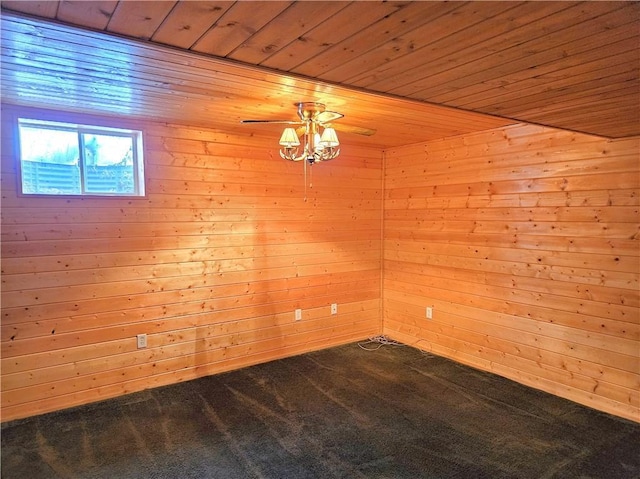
(305, 178)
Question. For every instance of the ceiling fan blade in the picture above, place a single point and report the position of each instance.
(327, 116)
(285, 122)
(358, 130)
(314, 113)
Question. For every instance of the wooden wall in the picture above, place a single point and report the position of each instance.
(525, 242)
(211, 264)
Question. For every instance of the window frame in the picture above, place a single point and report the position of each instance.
(82, 128)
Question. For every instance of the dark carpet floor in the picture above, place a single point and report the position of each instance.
(339, 413)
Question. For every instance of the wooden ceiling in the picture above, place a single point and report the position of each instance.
(411, 70)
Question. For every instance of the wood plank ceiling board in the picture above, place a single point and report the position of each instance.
(238, 23)
(373, 37)
(139, 19)
(514, 62)
(188, 22)
(451, 51)
(570, 65)
(118, 76)
(47, 9)
(316, 42)
(94, 15)
(386, 54)
(277, 34)
(543, 59)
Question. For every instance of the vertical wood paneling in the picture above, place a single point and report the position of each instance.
(210, 265)
(525, 241)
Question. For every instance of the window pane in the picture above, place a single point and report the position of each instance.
(109, 166)
(49, 161)
(65, 158)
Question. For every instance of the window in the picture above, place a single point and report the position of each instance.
(68, 159)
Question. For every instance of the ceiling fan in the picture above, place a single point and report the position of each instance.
(320, 141)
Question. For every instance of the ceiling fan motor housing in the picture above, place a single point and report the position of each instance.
(308, 110)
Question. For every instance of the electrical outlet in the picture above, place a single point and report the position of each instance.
(142, 341)
(334, 308)
(429, 312)
(298, 314)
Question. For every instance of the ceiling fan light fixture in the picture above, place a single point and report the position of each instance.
(316, 147)
(319, 141)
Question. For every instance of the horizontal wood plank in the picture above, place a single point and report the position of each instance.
(504, 235)
(211, 264)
